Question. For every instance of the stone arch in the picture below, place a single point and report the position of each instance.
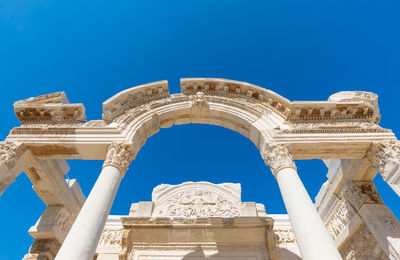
(242, 107)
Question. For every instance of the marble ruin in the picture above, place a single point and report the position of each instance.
(202, 220)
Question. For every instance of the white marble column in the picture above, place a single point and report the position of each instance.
(82, 240)
(311, 236)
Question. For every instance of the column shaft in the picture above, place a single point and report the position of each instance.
(311, 236)
(82, 240)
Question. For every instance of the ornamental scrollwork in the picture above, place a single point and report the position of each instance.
(278, 157)
(119, 155)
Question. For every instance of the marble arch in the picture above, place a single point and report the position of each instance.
(343, 131)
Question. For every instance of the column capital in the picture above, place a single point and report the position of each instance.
(277, 157)
(384, 155)
(119, 155)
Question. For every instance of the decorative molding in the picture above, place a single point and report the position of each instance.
(359, 193)
(134, 97)
(10, 153)
(334, 127)
(362, 245)
(384, 155)
(49, 108)
(120, 156)
(278, 157)
(179, 250)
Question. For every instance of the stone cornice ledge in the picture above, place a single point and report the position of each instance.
(211, 222)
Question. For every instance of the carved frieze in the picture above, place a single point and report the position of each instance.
(333, 127)
(284, 238)
(113, 238)
(340, 218)
(119, 155)
(362, 245)
(384, 156)
(63, 221)
(198, 204)
(278, 157)
(10, 152)
(360, 193)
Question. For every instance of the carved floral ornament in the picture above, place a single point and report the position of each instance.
(119, 155)
(278, 157)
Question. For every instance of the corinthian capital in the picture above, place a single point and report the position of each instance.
(9, 153)
(277, 157)
(119, 155)
(384, 156)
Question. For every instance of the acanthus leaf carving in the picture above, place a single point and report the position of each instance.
(119, 155)
(278, 157)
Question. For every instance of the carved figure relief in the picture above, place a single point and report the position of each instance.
(339, 219)
(198, 204)
(112, 237)
(284, 237)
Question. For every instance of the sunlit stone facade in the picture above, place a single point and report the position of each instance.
(347, 221)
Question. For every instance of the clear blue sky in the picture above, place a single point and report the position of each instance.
(303, 50)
